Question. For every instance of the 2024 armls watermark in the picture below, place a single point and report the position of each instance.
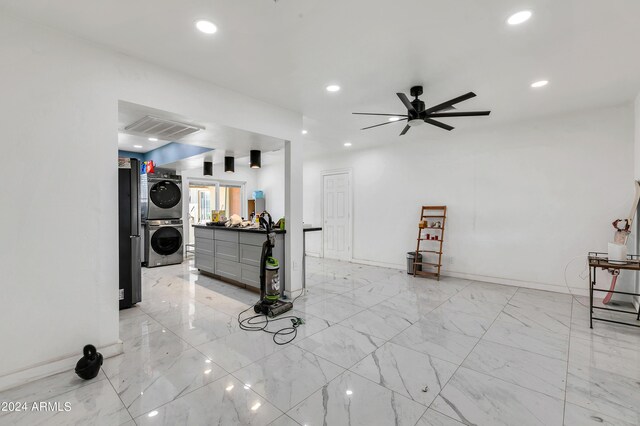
(36, 406)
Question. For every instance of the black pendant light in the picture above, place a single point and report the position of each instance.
(256, 162)
(229, 164)
(207, 168)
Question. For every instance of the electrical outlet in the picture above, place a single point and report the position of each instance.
(296, 265)
(121, 294)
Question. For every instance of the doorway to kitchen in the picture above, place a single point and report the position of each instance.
(208, 199)
(337, 205)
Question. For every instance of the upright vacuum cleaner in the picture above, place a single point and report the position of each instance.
(270, 303)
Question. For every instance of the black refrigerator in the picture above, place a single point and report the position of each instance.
(129, 232)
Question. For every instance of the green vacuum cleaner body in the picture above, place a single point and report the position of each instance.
(272, 280)
(270, 303)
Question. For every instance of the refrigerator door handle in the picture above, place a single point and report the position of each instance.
(136, 270)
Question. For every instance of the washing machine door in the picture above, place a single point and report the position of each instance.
(165, 194)
(166, 240)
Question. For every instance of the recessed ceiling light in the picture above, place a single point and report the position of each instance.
(519, 17)
(347, 144)
(540, 83)
(206, 27)
(137, 146)
(333, 88)
(153, 413)
(153, 139)
(304, 132)
(394, 118)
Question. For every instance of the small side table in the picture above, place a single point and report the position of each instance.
(601, 260)
(304, 254)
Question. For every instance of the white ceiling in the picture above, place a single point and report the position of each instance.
(287, 52)
(128, 142)
(225, 140)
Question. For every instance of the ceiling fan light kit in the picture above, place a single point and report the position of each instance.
(417, 114)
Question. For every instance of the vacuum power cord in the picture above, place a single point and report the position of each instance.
(260, 322)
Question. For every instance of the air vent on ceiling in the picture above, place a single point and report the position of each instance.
(161, 128)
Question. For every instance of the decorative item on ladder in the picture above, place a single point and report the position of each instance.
(432, 219)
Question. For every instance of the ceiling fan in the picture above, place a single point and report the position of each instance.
(417, 114)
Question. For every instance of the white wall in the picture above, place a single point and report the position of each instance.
(636, 156)
(271, 181)
(58, 114)
(293, 159)
(243, 174)
(269, 178)
(523, 200)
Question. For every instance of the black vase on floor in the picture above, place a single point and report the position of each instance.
(89, 365)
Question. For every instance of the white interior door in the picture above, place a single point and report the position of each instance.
(337, 216)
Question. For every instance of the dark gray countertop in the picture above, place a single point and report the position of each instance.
(311, 229)
(254, 231)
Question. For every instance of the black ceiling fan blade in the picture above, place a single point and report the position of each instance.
(438, 124)
(450, 102)
(459, 114)
(382, 124)
(405, 130)
(375, 113)
(407, 103)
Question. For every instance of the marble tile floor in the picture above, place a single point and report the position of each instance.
(378, 347)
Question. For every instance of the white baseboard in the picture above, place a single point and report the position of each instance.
(495, 280)
(518, 283)
(312, 254)
(380, 264)
(52, 367)
(293, 294)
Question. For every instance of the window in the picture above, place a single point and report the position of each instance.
(204, 205)
(206, 196)
(230, 200)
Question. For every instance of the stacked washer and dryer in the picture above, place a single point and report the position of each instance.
(161, 203)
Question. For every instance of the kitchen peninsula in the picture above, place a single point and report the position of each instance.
(233, 254)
